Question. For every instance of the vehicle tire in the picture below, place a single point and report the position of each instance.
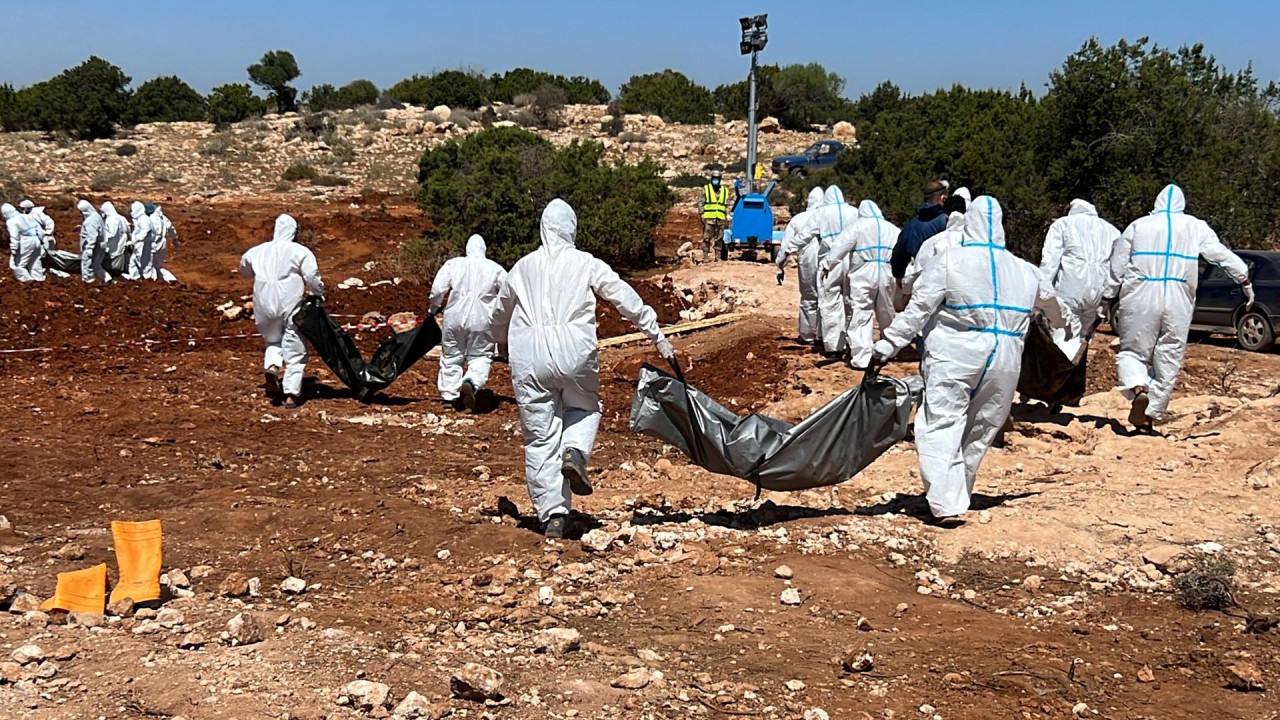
(799, 173)
(724, 250)
(1254, 332)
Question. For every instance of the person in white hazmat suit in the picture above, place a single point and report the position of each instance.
(115, 236)
(862, 252)
(1155, 269)
(164, 235)
(1076, 258)
(26, 245)
(981, 298)
(141, 260)
(45, 223)
(472, 283)
(547, 313)
(833, 217)
(800, 240)
(91, 253)
(282, 270)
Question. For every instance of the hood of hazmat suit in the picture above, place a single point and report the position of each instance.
(91, 228)
(1076, 257)
(472, 283)
(280, 269)
(1155, 267)
(547, 313)
(115, 230)
(981, 298)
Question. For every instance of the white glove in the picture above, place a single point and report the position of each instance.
(1248, 295)
(883, 350)
(825, 268)
(667, 352)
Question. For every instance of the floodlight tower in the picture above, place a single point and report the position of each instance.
(755, 35)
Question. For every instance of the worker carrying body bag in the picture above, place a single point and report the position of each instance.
(830, 446)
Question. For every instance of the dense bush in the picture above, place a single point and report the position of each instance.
(456, 88)
(299, 171)
(273, 73)
(669, 94)
(9, 120)
(497, 182)
(578, 90)
(543, 106)
(88, 101)
(353, 94)
(127, 150)
(798, 95)
(167, 99)
(233, 103)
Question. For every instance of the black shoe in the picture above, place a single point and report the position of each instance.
(273, 385)
(467, 394)
(291, 401)
(574, 469)
(1138, 411)
(554, 527)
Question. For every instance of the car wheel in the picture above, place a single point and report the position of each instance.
(1254, 332)
(799, 173)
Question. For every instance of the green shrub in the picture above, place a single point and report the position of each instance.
(11, 190)
(798, 95)
(273, 73)
(299, 171)
(330, 181)
(167, 99)
(498, 181)
(422, 258)
(9, 119)
(233, 103)
(613, 126)
(578, 90)
(456, 88)
(669, 94)
(87, 101)
(217, 144)
(686, 180)
(127, 150)
(352, 95)
(545, 106)
(632, 137)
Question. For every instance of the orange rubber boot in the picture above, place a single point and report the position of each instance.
(139, 553)
(80, 591)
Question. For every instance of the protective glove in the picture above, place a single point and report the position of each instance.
(824, 269)
(781, 274)
(1248, 295)
(665, 350)
(883, 350)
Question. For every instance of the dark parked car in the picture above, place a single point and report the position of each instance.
(1220, 301)
(821, 154)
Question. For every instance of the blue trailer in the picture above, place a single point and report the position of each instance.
(751, 225)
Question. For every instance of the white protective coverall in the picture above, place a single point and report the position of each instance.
(864, 249)
(801, 240)
(281, 269)
(1076, 259)
(547, 312)
(43, 221)
(472, 283)
(833, 217)
(981, 297)
(142, 259)
(164, 233)
(1155, 268)
(26, 246)
(91, 253)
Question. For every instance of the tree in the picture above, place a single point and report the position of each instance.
(273, 73)
(578, 90)
(88, 101)
(9, 120)
(233, 103)
(798, 95)
(353, 94)
(413, 90)
(497, 182)
(454, 88)
(669, 94)
(167, 99)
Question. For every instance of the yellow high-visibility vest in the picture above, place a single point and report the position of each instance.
(715, 202)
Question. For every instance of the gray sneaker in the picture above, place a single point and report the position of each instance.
(554, 527)
(574, 469)
(467, 394)
(1138, 410)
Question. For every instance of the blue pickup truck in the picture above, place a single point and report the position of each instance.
(820, 155)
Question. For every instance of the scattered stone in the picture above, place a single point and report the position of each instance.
(635, 680)
(790, 596)
(416, 706)
(795, 685)
(816, 714)
(28, 654)
(234, 585)
(170, 618)
(365, 695)
(783, 572)
(865, 625)
(557, 641)
(546, 595)
(769, 126)
(64, 653)
(24, 603)
(1032, 583)
(86, 619)
(200, 572)
(1080, 710)
(1170, 559)
(192, 641)
(927, 709)
(255, 587)
(476, 682)
(243, 629)
(1145, 675)
(70, 551)
(36, 618)
(843, 130)
(597, 540)
(858, 662)
(12, 672)
(121, 608)
(293, 586)
(1245, 676)
(46, 670)
(175, 579)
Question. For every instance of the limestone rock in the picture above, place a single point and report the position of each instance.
(28, 654)
(635, 680)
(784, 572)
(1171, 559)
(416, 706)
(770, 125)
(557, 641)
(366, 695)
(234, 585)
(293, 586)
(243, 629)
(1245, 676)
(844, 130)
(476, 682)
(790, 596)
(24, 603)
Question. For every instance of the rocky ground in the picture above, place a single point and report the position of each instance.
(353, 561)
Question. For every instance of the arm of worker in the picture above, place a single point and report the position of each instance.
(172, 236)
(14, 249)
(1048, 303)
(1051, 253)
(311, 274)
(440, 286)
(927, 296)
(1120, 255)
(606, 284)
(1212, 249)
(246, 264)
(502, 312)
(841, 246)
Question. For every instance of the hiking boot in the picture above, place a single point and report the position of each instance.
(950, 522)
(554, 528)
(1138, 410)
(467, 395)
(574, 469)
(272, 380)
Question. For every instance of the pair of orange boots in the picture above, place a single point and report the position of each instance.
(139, 554)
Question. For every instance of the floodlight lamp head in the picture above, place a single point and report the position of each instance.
(761, 21)
(744, 47)
(745, 23)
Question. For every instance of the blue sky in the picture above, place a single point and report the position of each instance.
(920, 46)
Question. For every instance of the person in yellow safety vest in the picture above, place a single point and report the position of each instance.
(715, 210)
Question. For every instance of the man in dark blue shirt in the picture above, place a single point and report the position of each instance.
(930, 220)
